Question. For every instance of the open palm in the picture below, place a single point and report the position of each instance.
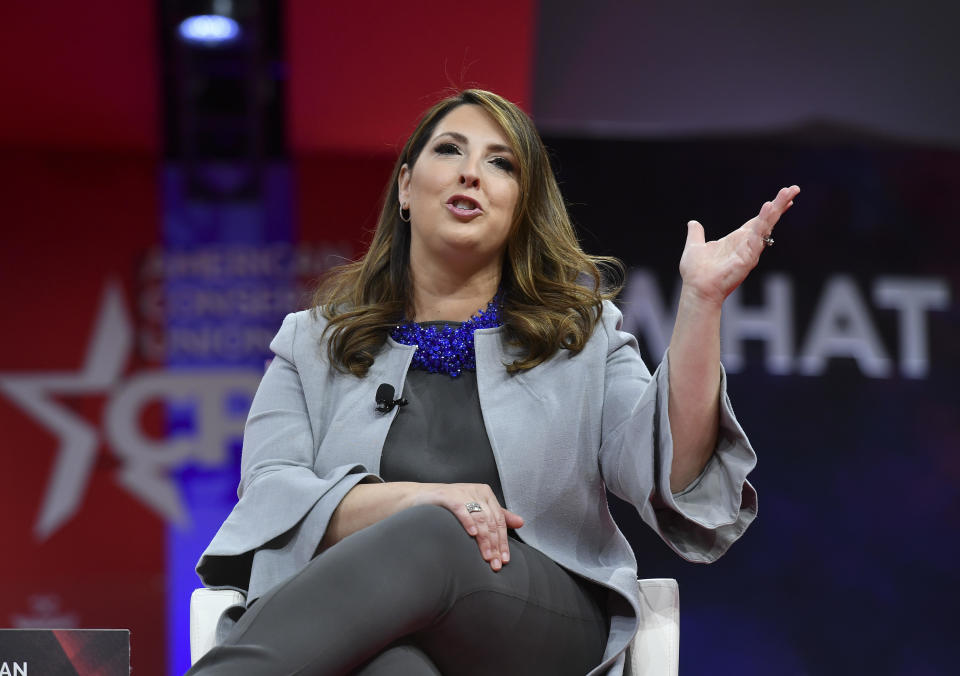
(714, 269)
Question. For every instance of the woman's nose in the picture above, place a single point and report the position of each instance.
(469, 175)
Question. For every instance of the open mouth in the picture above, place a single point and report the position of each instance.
(463, 204)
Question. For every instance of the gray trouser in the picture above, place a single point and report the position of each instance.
(411, 595)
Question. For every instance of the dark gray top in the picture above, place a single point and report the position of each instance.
(439, 436)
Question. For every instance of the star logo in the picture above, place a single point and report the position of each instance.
(145, 462)
(107, 355)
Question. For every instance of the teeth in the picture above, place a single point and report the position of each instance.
(463, 204)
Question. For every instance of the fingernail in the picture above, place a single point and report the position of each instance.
(496, 564)
(506, 556)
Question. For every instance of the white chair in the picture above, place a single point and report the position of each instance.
(655, 648)
(654, 651)
(206, 606)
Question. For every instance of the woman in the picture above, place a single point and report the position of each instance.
(423, 485)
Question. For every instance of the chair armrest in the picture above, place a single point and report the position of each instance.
(655, 649)
(206, 606)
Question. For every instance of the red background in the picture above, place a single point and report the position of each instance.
(80, 159)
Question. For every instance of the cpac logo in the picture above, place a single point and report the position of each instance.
(145, 462)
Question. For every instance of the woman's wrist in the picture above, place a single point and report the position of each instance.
(697, 301)
(367, 503)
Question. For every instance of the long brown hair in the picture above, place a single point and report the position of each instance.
(552, 290)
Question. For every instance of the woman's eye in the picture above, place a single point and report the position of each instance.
(503, 163)
(447, 149)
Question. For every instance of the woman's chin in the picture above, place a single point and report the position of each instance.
(465, 244)
(460, 253)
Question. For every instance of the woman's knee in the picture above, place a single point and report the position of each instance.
(422, 546)
(402, 658)
(430, 528)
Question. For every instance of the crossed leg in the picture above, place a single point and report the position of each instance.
(413, 590)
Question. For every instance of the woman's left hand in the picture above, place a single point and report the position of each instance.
(712, 270)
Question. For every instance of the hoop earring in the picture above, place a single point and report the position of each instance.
(402, 209)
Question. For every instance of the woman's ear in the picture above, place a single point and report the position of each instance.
(403, 185)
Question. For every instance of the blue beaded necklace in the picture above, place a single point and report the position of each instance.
(445, 348)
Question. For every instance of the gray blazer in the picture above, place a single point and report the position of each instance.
(561, 434)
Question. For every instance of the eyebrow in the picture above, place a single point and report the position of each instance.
(495, 147)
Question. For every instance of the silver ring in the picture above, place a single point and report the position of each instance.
(473, 507)
(767, 240)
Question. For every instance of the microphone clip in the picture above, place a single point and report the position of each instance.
(385, 400)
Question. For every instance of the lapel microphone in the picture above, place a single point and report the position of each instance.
(385, 400)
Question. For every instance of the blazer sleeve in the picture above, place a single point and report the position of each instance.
(284, 506)
(705, 518)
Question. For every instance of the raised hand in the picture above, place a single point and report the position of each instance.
(480, 514)
(712, 270)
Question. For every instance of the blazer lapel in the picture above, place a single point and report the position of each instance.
(514, 417)
(358, 431)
